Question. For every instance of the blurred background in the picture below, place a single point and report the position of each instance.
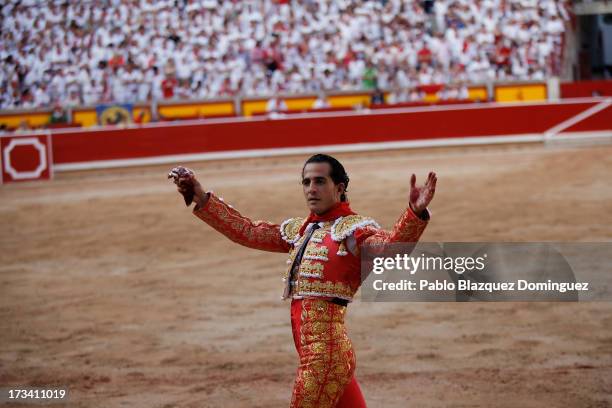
(65, 63)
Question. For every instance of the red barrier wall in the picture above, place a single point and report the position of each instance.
(599, 121)
(332, 128)
(582, 89)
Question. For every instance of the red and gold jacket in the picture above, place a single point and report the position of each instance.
(330, 266)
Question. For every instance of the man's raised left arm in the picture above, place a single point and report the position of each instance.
(411, 224)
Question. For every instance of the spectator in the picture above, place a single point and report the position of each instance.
(370, 80)
(136, 50)
(321, 102)
(276, 105)
(23, 127)
(167, 86)
(58, 115)
(378, 97)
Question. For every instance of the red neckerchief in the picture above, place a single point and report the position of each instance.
(341, 209)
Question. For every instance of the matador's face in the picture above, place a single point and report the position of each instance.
(320, 192)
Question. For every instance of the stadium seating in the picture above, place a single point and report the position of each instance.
(84, 53)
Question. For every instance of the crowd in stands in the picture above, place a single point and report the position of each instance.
(82, 52)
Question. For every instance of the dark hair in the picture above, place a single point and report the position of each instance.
(337, 174)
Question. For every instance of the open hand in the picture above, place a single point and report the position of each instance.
(421, 196)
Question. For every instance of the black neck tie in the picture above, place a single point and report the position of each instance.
(298, 257)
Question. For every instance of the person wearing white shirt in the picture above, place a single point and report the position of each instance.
(276, 104)
(92, 93)
(41, 97)
(327, 28)
(321, 102)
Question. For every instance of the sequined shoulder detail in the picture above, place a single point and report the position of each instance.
(290, 229)
(345, 226)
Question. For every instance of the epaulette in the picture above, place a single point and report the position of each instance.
(290, 229)
(345, 226)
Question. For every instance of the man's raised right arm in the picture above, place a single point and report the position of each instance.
(224, 218)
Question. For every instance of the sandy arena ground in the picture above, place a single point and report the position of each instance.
(111, 287)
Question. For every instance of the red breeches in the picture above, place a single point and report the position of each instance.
(325, 376)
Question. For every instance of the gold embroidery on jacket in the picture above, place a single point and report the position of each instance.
(299, 240)
(311, 269)
(290, 229)
(316, 252)
(343, 227)
(318, 235)
(324, 288)
(253, 234)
